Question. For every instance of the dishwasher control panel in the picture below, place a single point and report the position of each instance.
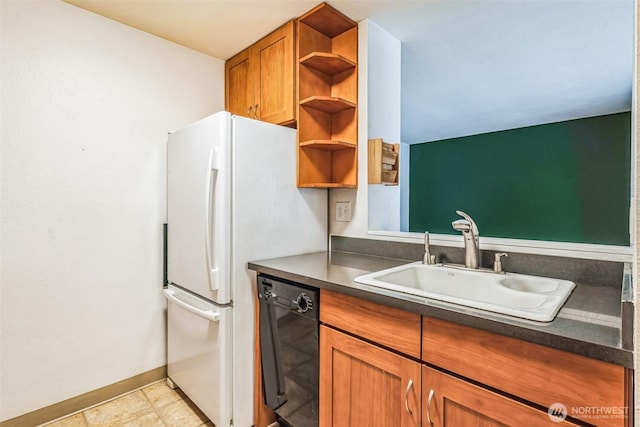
(289, 296)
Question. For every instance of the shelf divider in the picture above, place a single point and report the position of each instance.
(328, 63)
(328, 104)
(330, 145)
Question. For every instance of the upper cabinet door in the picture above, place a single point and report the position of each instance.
(239, 85)
(260, 81)
(275, 78)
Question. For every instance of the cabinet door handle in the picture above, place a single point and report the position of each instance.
(255, 112)
(249, 111)
(406, 397)
(431, 393)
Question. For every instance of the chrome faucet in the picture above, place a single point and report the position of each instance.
(471, 236)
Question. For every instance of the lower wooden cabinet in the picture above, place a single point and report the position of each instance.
(592, 390)
(451, 402)
(362, 385)
(376, 375)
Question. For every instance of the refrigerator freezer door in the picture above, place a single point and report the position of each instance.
(198, 207)
(199, 354)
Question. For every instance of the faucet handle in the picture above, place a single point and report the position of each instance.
(474, 227)
(461, 225)
(497, 262)
(428, 258)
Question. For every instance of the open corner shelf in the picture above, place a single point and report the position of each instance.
(327, 20)
(328, 104)
(327, 185)
(323, 144)
(327, 48)
(328, 63)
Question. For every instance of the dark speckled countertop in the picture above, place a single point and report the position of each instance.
(589, 323)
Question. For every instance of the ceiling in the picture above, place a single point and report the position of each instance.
(220, 28)
(468, 66)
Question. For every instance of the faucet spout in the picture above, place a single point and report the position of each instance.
(471, 236)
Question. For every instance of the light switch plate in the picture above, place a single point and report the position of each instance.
(343, 211)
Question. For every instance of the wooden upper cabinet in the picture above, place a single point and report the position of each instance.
(239, 85)
(273, 57)
(260, 81)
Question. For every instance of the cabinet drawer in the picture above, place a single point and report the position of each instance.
(390, 327)
(536, 373)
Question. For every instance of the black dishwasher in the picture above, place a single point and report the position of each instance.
(289, 348)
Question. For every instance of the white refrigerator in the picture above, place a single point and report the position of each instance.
(231, 198)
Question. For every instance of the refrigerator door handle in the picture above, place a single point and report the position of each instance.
(212, 175)
(210, 314)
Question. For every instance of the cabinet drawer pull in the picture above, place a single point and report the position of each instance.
(249, 111)
(255, 111)
(406, 397)
(431, 393)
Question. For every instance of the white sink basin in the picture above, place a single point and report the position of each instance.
(519, 295)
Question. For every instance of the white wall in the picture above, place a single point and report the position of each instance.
(357, 227)
(86, 104)
(405, 159)
(473, 67)
(379, 113)
(383, 91)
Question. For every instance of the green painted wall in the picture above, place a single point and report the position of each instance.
(567, 182)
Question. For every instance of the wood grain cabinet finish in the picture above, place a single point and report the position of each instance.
(239, 85)
(260, 81)
(327, 67)
(390, 327)
(362, 385)
(591, 390)
(451, 402)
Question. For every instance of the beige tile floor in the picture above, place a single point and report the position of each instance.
(151, 406)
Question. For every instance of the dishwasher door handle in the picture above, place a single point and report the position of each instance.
(275, 393)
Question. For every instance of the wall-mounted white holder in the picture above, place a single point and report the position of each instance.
(343, 211)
